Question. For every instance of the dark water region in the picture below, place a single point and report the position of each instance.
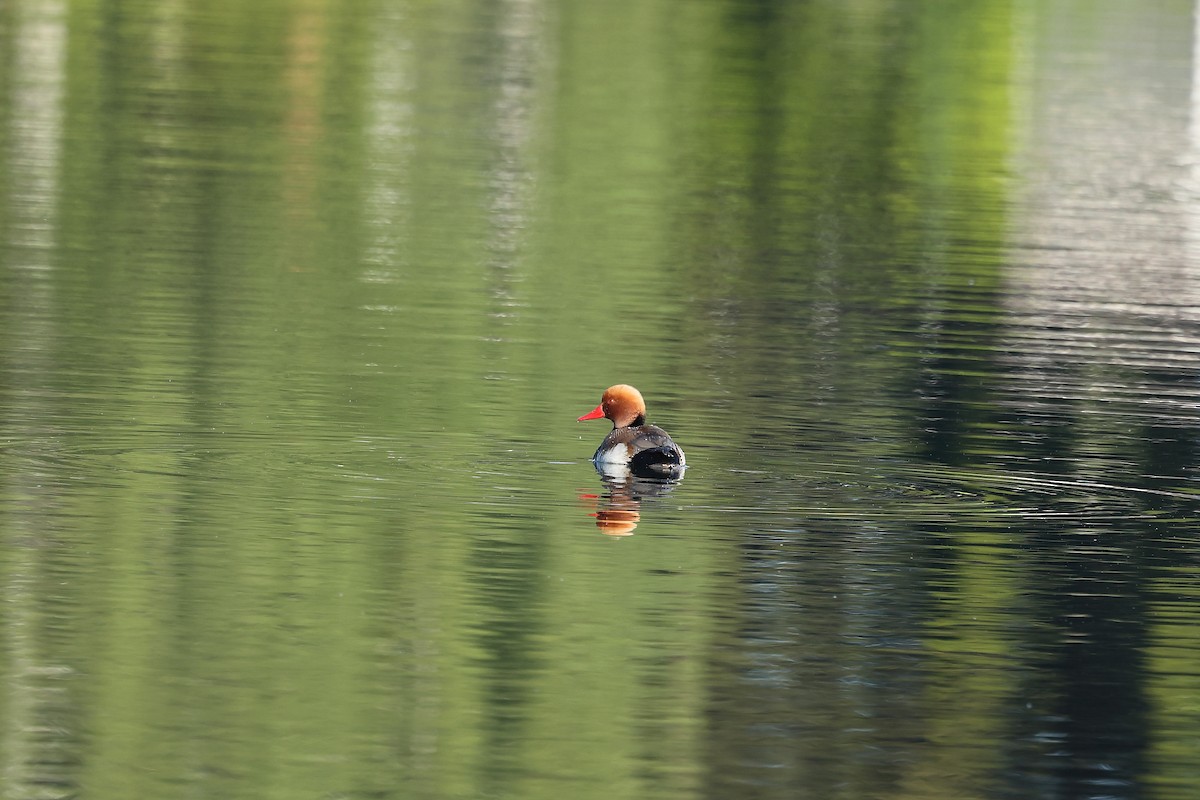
(299, 302)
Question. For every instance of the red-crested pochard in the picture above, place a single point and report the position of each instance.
(646, 450)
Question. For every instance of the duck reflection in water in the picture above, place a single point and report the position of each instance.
(619, 506)
(635, 460)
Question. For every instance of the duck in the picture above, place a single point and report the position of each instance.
(646, 451)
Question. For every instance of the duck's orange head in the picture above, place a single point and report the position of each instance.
(622, 404)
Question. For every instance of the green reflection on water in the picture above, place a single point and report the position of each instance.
(299, 301)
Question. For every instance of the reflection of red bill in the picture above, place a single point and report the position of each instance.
(587, 500)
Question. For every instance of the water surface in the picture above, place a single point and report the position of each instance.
(299, 303)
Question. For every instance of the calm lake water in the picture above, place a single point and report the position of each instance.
(299, 302)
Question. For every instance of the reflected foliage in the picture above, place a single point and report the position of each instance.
(298, 301)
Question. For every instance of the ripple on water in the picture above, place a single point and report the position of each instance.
(925, 493)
